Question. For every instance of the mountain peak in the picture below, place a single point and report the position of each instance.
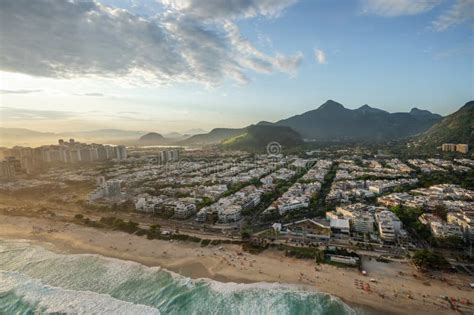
(417, 110)
(369, 110)
(331, 104)
(469, 104)
(151, 137)
(422, 113)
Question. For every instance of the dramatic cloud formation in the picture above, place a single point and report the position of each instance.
(190, 40)
(461, 12)
(320, 56)
(397, 7)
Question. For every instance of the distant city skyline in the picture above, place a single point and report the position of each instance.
(175, 65)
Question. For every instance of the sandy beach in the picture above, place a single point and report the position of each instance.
(397, 287)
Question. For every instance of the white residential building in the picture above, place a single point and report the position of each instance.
(229, 214)
(444, 230)
(183, 211)
(363, 223)
(389, 225)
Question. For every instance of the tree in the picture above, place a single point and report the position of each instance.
(441, 211)
(246, 234)
(427, 259)
(154, 231)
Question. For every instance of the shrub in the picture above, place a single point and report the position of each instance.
(205, 242)
(427, 259)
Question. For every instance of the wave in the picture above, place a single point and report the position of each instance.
(20, 294)
(42, 280)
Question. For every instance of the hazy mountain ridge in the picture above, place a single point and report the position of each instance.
(257, 137)
(332, 121)
(215, 136)
(27, 137)
(152, 138)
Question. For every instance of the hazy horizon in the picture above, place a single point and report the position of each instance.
(184, 131)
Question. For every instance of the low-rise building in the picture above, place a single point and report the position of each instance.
(465, 220)
(307, 229)
(389, 225)
(340, 227)
(445, 230)
(183, 211)
(232, 213)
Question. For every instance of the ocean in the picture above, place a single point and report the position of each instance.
(34, 280)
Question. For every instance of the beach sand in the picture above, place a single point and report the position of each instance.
(396, 290)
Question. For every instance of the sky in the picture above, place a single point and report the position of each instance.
(176, 65)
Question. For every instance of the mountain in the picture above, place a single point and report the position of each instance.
(196, 131)
(22, 132)
(455, 128)
(10, 137)
(215, 136)
(27, 137)
(422, 113)
(152, 138)
(332, 121)
(260, 137)
(108, 134)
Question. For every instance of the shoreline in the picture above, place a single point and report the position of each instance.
(396, 291)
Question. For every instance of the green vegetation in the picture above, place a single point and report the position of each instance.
(257, 137)
(318, 206)
(409, 218)
(455, 128)
(246, 234)
(426, 259)
(206, 201)
(303, 252)
(205, 242)
(234, 140)
(232, 189)
(154, 231)
(119, 224)
(253, 248)
(465, 180)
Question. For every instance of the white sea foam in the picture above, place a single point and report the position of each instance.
(51, 299)
(89, 283)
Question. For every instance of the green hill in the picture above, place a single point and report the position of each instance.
(215, 136)
(151, 138)
(455, 128)
(258, 137)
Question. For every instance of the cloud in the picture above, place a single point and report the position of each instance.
(229, 9)
(93, 94)
(249, 56)
(461, 12)
(19, 91)
(189, 41)
(10, 114)
(391, 8)
(320, 56)
(23, 114)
